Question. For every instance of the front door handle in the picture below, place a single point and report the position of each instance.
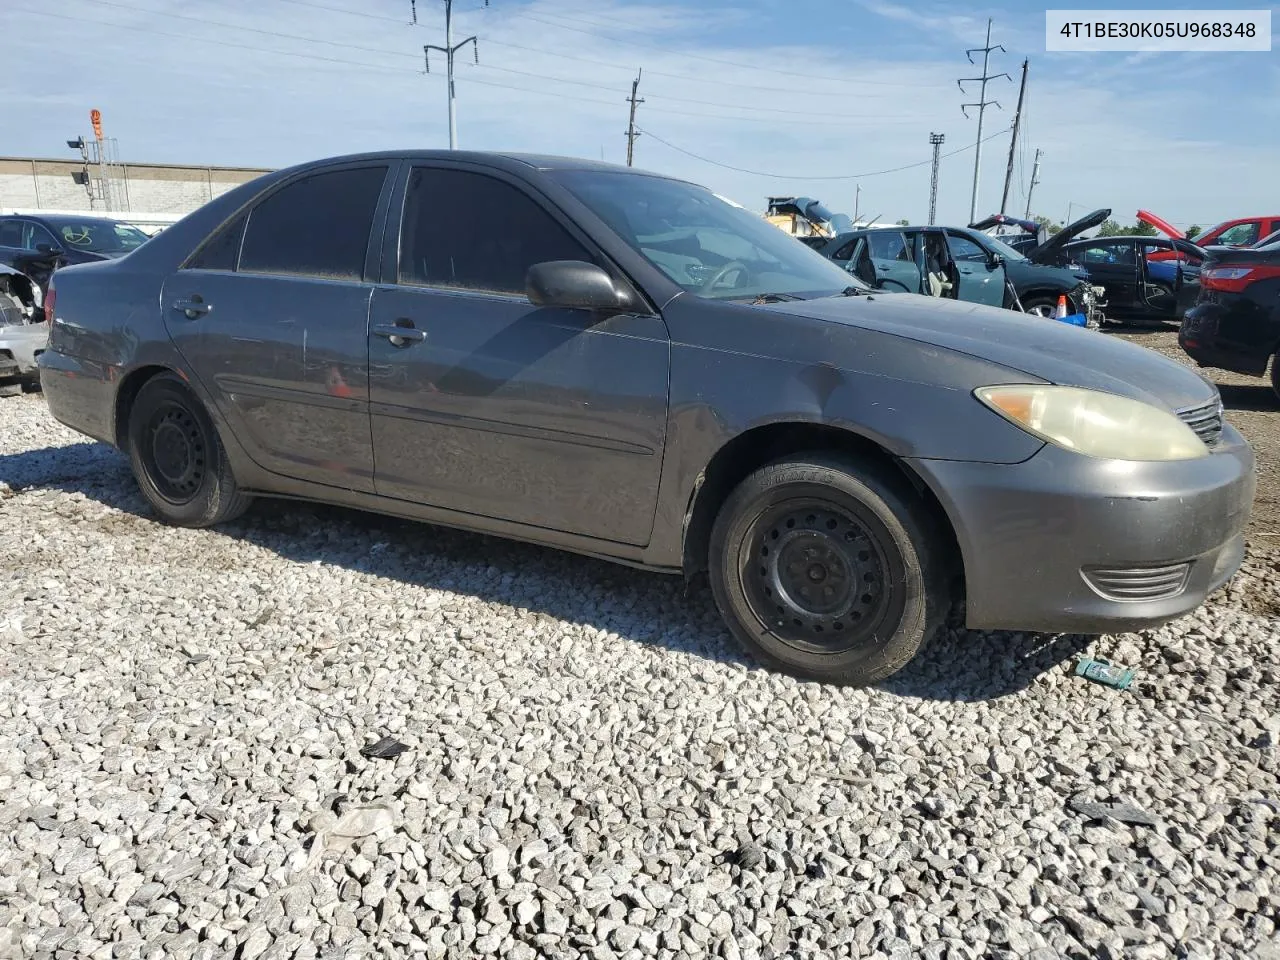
(193, 307)
(401, 333)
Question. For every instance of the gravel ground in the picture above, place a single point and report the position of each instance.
(589, 768)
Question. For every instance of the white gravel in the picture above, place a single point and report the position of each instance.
(592, 768)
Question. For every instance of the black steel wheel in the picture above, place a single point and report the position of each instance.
(828, 570)
(177, 458)
(817, 575)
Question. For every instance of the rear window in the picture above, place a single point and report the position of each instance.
(315, 227)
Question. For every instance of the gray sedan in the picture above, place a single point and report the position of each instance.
(627, 366)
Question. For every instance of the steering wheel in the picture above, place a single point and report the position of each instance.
(723, 272)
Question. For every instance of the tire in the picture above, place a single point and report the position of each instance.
(177, 458)
(853, 526)
(1037, 304)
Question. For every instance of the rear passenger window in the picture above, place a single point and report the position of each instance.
(315, 227)
(475, 232)
(220, 251)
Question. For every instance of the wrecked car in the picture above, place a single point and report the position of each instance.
(1235, 323)
(1029, 233)
(1240, 232)
(959, 263)
(1138, 286)
(23, 331)
(38, 245)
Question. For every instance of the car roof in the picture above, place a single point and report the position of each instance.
(500, 159)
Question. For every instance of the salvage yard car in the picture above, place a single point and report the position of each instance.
(960, 263)
(634, 369)
(1235, 324)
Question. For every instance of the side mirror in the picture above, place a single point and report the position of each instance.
(574, 285)
(996, 260)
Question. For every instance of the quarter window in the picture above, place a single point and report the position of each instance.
(475, 232)
(315, 227)
(10, 233)
(223, 248)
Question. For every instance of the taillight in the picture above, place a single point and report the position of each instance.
(1235, 279)
(49, 297)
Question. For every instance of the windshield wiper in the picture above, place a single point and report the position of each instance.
(772, 298)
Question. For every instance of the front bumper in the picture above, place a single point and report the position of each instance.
(1033, 535)
(20, 345)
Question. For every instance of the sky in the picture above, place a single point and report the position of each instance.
(804, 97)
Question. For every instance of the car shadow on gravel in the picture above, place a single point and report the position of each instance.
(655, 609)
(1237, 396)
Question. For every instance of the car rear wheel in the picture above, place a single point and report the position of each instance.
(828, 570)
(177, 458)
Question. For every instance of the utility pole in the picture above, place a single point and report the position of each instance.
(1035, 178)
(632, 132)
(449, 50)
(857, 198)
(1013, 142)
(936, 139)
(982, 105)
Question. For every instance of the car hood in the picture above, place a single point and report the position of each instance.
(1043, 349)
(1068, 233)
(1164, 226)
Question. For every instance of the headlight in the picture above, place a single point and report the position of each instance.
(1094, 424)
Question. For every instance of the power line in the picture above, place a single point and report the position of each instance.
(595, 85)
(784, 176)
(724, 63)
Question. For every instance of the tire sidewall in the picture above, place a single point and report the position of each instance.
(867, 498)
(202, 508)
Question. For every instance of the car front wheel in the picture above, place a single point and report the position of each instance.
(828, 570)
(177, 458)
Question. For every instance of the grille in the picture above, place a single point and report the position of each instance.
(1138, 583)
(1205, 420)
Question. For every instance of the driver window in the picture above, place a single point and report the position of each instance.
(962, 248)
(33, 234)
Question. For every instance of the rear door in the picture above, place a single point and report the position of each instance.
(491, 406)
(981, 280)
(271, 314)
(892, 262)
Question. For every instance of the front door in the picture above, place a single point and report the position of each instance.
(488, 405)
(981, 279)
(272, 316)
(1113, 265)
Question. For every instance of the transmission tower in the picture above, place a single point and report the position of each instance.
(449, 50)
(936, 139)
(632, 132)
(981, 106)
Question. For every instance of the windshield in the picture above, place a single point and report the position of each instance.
(712, 249)
(98, 236)
(1002, 248)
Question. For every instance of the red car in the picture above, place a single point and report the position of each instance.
(1242, 232)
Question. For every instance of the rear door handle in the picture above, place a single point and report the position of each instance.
(193, 307)
(401, 333)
